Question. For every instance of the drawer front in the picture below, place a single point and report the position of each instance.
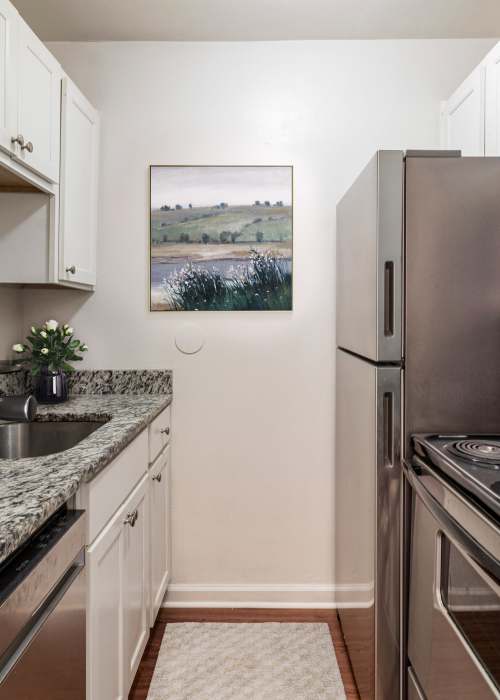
(159, 433)
(102, 496)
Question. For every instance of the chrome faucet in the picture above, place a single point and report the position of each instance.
(18, 408)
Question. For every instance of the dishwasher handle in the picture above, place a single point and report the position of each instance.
(15, 651)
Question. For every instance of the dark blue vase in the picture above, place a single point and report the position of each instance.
(51, 387)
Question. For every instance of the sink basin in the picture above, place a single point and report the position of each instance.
(18, 440)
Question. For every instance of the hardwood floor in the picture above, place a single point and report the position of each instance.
(139, 690)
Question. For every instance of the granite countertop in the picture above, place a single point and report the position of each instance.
(32, 489)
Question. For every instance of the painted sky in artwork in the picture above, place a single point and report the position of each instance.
(206, 186)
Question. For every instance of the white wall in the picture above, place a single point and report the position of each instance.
(253, 466)
(10, 320)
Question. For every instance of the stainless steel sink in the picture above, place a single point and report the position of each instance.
(18, 440)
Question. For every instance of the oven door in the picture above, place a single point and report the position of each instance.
(454, 602)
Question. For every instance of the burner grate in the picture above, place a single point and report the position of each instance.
(483, 452)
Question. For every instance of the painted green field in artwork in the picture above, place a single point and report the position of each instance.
(228, 225)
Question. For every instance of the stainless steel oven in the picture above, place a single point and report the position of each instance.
(454, 596)
(42, 614)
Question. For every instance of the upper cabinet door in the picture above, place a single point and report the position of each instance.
(463, 114)
(8, 85)
(78, 188)
(492, 117)
(39, 105)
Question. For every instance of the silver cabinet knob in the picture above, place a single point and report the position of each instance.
(18, 139)
(165, 431)
(131, 518)
(27, 147)
(71, 269)
(157, 477)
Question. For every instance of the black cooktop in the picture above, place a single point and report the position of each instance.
(471, 461)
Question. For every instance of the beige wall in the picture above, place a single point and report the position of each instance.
(10, 320)
(253, 465)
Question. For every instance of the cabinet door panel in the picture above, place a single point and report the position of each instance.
(79, 172)
(39, 102)
(135, 567)
(492, 117)
(464, 116)
(159, 504)
(104, 619)
(8, 86)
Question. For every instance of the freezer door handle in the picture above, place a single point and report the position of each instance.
(389, 311)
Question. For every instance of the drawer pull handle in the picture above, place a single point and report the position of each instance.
(71, 269)
(18, 139)
(131, 518)
(27, 147)
(165, 431)
(157, 477)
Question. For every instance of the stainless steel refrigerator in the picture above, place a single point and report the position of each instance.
(418, 350)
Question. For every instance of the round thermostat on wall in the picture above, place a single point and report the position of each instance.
(189, 339)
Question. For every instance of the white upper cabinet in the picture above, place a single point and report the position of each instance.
(463, 116)
(492, 117)
(471, 116)
(49, 153)
(39, 105)
(78, 187)
(8, 86)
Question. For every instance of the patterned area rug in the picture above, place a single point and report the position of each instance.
(246, 661)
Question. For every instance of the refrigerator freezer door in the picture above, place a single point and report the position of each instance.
(369, 254)
(367, 520)
(452, 347)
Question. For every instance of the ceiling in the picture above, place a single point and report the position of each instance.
(255, 20)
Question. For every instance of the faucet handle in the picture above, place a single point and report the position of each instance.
(30, 406)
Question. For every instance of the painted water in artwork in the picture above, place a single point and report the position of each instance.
(221, 238)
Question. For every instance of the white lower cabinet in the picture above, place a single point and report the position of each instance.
(135, 580)
(105, 614)
(128, 564)
(159, 515)
(118, 614)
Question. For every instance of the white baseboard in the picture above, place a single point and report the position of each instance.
(280, 595)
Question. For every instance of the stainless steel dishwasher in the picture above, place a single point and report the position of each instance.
(42, 614)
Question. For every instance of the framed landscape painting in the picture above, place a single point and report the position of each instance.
(221, 238)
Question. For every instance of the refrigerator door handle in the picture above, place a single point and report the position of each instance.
(388, 423)
(389, 299)
(389, 417)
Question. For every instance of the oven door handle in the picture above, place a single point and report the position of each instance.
(488, 563)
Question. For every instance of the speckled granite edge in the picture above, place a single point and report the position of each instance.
(32, 489)
(118, 381)
(100, 381)
(13, 383)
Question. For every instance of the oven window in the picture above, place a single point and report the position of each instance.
(473, 601)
